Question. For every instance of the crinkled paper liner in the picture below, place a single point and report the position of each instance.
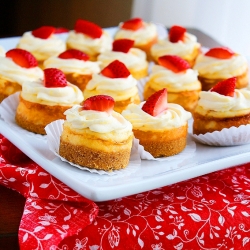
(233, 136)
(54, 131)
(8, 111)
(188, 152)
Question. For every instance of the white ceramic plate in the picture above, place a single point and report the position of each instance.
(150, 175)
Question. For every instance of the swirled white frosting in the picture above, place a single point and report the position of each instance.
(174, 82)
(180, 48)
(175, 116)
(89, 45)
(135, 59)
(41, 48)
(214, 68)
(36, 92)
(214, 104)
(141, 36)
(100, 122)
(15, 73)
(72, 65)
(2, 51)
(119, 88)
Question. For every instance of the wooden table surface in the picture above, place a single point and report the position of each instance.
(11, 210)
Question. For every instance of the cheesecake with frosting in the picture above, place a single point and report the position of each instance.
(76, 66)
(116, 81)
(180, 80)
(45, 100)
(95, 136)
(219, 64)
(143, 33)
(135, 59)
(16, 67)
(179, 42)
(89, 38)
(42, 43)
(221, 107)
(161, 127)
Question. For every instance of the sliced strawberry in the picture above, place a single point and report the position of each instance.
(88, 28)
(133, 24)
(102, 103)
(44, 32)
(123, 45)
(116, 69)
(174, 63)
(156, 103)
(74, 54)
(220, 53)
(54, 78)
(22, 58)
(60, 30)
(225, 87)
(176, 33)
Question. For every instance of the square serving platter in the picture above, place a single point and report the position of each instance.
(149, 175)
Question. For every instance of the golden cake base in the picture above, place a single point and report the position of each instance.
(87, 149)
(121, 105)
(207, 84)
(187, 99)
(163, 143)
(146, 47)
(79, 80)
(34, 117)
(8, 88)
(138, 74)
(207, 124)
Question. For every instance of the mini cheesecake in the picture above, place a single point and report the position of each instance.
(89, 38)
(178, 42)
(76, 66)
(219, 64)
(95, 136)
(17, 66)
(174, 74)
(134, 59)
(222, 107)
(116, 81)
(161, 127)
(44, 101)
(143, 33)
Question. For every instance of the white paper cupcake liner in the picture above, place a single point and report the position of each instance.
(188, 152)
(54, 131)
(233, 136)
(8, 111)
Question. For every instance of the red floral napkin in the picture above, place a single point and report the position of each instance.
(208, 212)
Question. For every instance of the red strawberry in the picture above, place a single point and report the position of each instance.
(116, 69)
(132, 24)
(60, 30)
(88, 28)
(123, 45)
(220, 53)
(225, 87)
(44, 32)
(176, 33)
(102, 103)
(54, 78)
(74, 54)
(156, 103)
(22, 57)
(174, 63)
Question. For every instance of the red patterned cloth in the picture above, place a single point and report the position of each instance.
(208, 212)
